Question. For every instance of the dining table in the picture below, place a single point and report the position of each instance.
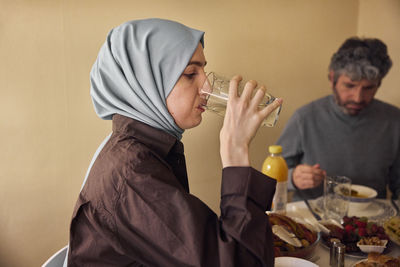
(379, 211)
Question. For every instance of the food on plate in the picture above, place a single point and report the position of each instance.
(305, 235)
(392, 228)
(354, 229)
(379, 260)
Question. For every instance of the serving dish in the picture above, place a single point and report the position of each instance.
(304, 253)
(373, 248)
(392, 229)
(355, 229)
(308, 238)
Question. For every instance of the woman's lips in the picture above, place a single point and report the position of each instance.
(202, 106)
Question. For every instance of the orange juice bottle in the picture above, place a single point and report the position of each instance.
(275, 167)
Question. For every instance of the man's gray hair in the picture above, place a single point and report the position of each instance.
(361, 58)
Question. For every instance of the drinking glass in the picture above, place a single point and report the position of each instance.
(216, 89)
(336, 197)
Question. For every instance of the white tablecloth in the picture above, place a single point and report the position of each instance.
(321, 255)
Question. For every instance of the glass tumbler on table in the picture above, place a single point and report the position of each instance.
(336, 197)
(216, 89)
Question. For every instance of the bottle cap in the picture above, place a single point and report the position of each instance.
(275, 149)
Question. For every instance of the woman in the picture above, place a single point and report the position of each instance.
(135, 208)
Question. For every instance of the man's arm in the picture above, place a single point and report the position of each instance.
(292, 151)
(301, 176)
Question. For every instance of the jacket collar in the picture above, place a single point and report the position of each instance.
(157, 140)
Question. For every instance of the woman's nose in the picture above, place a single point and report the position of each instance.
(205, 84)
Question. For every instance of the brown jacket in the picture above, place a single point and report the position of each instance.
(136, 210)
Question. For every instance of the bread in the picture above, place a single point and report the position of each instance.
(379, 260)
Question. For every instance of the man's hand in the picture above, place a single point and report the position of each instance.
(307, 176)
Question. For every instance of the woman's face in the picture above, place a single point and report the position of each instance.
(184, 102)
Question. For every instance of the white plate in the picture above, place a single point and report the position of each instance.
(378, 210)
(292, 261)
(375, 209)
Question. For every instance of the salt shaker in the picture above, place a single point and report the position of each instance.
(340, 250)
(332, 255)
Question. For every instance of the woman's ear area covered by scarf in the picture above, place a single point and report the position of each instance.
(138, 66)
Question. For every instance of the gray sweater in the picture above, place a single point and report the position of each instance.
(366, 147)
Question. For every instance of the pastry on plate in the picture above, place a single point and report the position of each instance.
(379, 260)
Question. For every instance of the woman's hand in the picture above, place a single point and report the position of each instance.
(242, 119)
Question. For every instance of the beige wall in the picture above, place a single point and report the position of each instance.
(382, 20)
(49, 130)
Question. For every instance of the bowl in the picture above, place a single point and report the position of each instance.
(304, 253)
(361, 197)
(372, 248)
(305, 235)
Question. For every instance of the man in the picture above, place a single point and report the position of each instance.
(350, 132)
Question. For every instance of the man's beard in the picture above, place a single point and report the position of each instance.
(344, 106)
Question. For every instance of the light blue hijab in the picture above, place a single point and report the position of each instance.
(138, 66)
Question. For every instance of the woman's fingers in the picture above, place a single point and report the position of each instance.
(248, 90)
(233, 86)
(271, 107)
(250, 102)
(258, 97)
